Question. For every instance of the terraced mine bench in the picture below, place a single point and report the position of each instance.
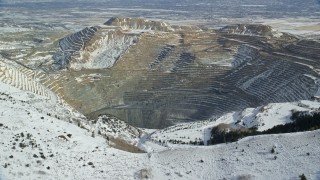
(152, 74)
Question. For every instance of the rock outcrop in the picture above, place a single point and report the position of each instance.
(71, 45)
(92, 48)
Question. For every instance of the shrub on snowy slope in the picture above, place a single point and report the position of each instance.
(224, 135)
(302, 121)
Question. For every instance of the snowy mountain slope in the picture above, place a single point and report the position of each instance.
(37, 145)
(263, 118)
(251, 158)
(112, 127)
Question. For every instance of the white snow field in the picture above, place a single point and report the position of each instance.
(38, 142)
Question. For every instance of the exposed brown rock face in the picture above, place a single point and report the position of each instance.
(159, 74)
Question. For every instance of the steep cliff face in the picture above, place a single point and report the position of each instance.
(151, 74)
(92, 48)
(71, 45)
(244, 55)
(104, 50)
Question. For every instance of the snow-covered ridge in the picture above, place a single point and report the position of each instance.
(141, 24)
(128, 23)
(251, 29)
(262, 118)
